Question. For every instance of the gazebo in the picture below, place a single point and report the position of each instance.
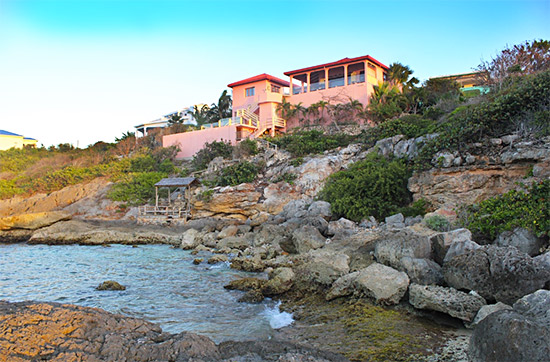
(179, 208)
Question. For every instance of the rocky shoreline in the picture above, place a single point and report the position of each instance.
(342, 278)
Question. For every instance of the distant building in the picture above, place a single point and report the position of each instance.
(186, 114)
(13, 140)
(469, 82)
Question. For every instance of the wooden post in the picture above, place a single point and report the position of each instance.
(156, 197)
(169, 198)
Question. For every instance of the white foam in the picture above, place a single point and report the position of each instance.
(276, 318)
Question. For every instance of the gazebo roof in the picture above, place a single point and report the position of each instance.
(176, 182)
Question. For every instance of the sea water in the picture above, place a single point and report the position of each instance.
(162, 286)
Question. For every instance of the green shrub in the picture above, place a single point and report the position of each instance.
(237, 174)
(136, 188)
(209, 152)
(248, 147)
(309, 142)
(411, 126)
(528, 208)
(297, 161)
(438, 223)
(287, 177)
(375, 186)
(206, 195)
(419, 207)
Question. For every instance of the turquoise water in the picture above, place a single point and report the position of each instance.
(162, 286)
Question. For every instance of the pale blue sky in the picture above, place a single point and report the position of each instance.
(89, 70)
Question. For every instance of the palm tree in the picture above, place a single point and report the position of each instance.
(221, 110)
(201, 115)
(399, 75)
(175, 118)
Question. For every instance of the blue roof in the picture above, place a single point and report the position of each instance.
(6, 133)
(29, 138)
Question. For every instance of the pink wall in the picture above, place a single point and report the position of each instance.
(359, 91)
(191, 142)
(240, 100)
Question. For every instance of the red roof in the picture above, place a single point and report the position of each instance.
(260, 77)
(338, 62)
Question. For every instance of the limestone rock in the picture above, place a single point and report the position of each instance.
(252, 296)
(218, 258)
(233, 242)
(313, 173)
(110, 285)
(320, 208)
(72, 232)
(190, 239)
(62, 332)
(322, 267)
(228, 231)
(422, 271)
(395, 221)
(446, 300)
(277, 195)
(521, 239)
(303, 240)
(239, 202)
(32, 221)
(521, 334)
(281, 281)
(395, 245)
(341, 227)
(246, 284)
(247, 264)
(486, 310)
(442, 241)
(501, 274)
(197, 261)
(343, 286)
(460, 247)
(384, 284)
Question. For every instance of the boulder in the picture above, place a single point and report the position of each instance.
(277, 195)
(296, 208)
(321, 267)
(246, 284)
(486, 310)
(422, 271)
(110, 285)
(233, 242)
(228, 231)
(320, 208)
(396, 221)
(303, 240)
(248, 264)
(383, 284)
(236, 202)
(343, 286)
(341, 227)
(280, 282)
(252, 296)
(446, 300)
(522, 239)
(190, 239)
(32, 221)
(521, 334)
(442, 241)
(395, 245)
(496, 273)
(313, 173)
(218, 258)
(460, 247)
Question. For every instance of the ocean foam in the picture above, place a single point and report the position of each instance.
(276, 318)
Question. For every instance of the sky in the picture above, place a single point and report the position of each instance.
(83, 71)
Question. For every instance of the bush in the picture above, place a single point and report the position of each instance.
(438, 223)
(528, 208)
(209, 152)
(137, 188)
(248, 147)
(375, 186)
(287, 177)
(307, 142)
(411, 126)
(237, 174)
(419, 207)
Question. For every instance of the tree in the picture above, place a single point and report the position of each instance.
(399, 75)
(201, 114)
(223, 109)
(521, 59)
(175, 118)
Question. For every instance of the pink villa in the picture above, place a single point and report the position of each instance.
(255, 100)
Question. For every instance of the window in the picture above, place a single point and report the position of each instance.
(302, 87)
(336, 77)
(249, 92)
(317, 80)
(275, 88)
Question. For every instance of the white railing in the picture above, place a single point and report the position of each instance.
(173, 211)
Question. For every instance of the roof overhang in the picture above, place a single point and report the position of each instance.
(261, 77)
(338, 62)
